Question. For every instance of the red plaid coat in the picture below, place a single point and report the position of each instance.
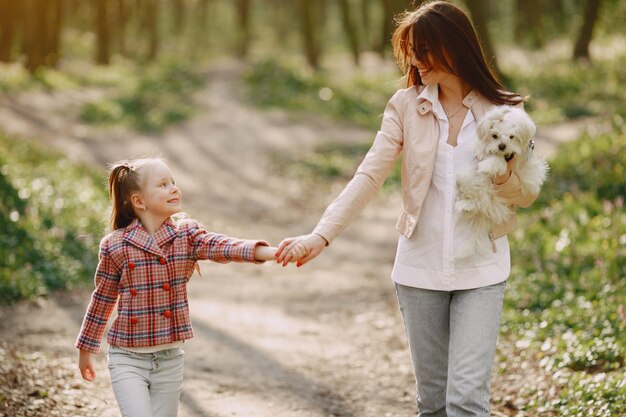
(149, 276)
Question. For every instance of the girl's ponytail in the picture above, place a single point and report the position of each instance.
(123, 182)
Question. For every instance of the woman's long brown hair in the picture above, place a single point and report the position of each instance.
(444, 35)
(124, 180)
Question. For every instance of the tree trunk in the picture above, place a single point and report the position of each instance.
(103, 47)
(311, 22)
(178, 7)
(122, 25)
(53, 38)
(243, 33)
(528, 22)
(390, 9)
(35, 33)
(351, 30)
(479, 10)
(152, 29)
(366, 20)
(8, 22)
(581, 49)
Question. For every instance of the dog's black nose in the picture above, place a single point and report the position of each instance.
(502, 146)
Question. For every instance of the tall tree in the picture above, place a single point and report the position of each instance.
(391, 8)
(310, 14)
(528, 22)
(151, 27)
(122, 15)
(103, 44)
(479, 10)
(351, 30)
(581, 48)
(9, 15)
(243, 32)
(366, 20)
(52, 48)
(34, 36)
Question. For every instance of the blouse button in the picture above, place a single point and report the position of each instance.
(133, 292)
(133, 320)
(162, 261)
(167, 314)
(131, 265)
(166, 286)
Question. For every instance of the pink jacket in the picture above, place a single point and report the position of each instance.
(409, 126)
(149, 275)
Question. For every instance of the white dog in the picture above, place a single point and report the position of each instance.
(504, 132)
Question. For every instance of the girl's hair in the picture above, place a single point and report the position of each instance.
(443, 37)
(124, 180)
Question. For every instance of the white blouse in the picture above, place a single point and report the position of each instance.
(427, 259)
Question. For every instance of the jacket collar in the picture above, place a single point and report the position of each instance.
(136, 235)
(473, 101)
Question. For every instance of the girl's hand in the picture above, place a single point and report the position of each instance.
(265, 253)
(301, 248)
(85, 364)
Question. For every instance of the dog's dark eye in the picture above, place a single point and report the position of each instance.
(511, 137)
(495, 136)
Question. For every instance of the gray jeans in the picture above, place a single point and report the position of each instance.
(452, 338)
(147, 384)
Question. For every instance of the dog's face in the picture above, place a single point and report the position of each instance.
(505, 131)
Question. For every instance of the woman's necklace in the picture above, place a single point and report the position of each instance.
(450, 116)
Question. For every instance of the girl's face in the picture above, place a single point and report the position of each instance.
(159, 194)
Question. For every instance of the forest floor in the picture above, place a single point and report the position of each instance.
(326, 339)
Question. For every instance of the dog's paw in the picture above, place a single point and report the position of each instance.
(465, 206)
(492, 166)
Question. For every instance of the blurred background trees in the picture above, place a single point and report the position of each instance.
(42, 32)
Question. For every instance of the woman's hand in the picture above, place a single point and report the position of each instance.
(499, 180)
(85, 364)
(301, 249)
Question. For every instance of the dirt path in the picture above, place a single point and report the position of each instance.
(326, 340)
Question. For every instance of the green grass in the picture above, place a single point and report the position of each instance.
(52, 214)
(273, 83)
(565, 297)
(161, 95)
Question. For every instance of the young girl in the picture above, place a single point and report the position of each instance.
(145, 263)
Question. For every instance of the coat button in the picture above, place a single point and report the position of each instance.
(134, 320)
(167, 314)
(166, 286)
(162, 261)
(131, 265)
(133, 292)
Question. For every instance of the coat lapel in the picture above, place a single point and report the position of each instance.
(137, 236)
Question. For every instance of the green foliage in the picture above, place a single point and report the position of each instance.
(565, 299)
(566, 90)
(161, 96)
(276, 84)
(51, 220)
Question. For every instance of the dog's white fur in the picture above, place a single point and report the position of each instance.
(504, 131)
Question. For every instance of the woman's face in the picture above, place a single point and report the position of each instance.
(429, 71)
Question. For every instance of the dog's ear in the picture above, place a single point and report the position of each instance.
(526, 129)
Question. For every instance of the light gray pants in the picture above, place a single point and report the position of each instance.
(452, 338)
(147, 384)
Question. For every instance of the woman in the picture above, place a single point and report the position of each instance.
(451, 307)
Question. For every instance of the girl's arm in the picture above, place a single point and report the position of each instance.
(221, 248)
(102, 302)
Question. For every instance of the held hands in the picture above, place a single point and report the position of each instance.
(300, 249)
(85, 364)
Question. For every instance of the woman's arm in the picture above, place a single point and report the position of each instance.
(508, 187)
